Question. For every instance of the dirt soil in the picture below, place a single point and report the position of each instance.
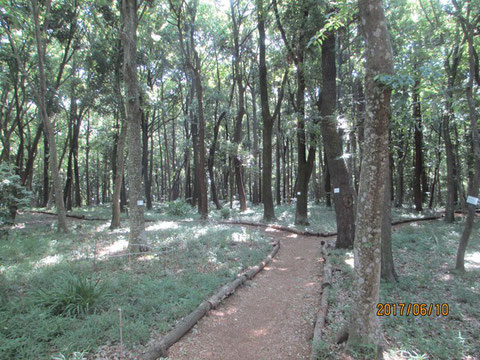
(272, 317)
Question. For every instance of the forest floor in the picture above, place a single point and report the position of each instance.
(271, 317)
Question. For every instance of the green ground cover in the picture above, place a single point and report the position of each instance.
(58, 295)
(424, 256)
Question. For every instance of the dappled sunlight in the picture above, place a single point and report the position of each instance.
(293, 236)
(241, 237)
(116, 247)
(201, 232)
(310, 284)
(282, 269)
(472, 261)
(227, 312)
(270, 229)
(260, 332)
(163, 225)
(102, 227)
(19, 226)
(350, 261)
(48, 261)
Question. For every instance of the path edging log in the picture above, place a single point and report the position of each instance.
(322, 312)
(317, 234)
(160, 347)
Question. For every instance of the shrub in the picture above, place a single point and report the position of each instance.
(225, 213)
(13, 196)
(178, 208)
(74, 296)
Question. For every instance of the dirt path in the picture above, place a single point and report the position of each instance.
(270, 318)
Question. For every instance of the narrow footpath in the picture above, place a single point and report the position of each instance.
(270, 318)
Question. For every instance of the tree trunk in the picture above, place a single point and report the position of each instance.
(118, 184)
(474, 183)
(343, 194)
(388, 272)
(451, 71)
(211, 161)
(418, 138)
(237, 137)
(364, 323)
(267, 197)
(137, 238)
(48, 126)
(256, 170)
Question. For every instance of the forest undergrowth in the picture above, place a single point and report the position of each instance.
(424, 255)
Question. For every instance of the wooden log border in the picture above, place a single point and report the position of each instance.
(323, 307)
(160, 347)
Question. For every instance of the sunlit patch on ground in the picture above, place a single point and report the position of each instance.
(241, 237)
(260, 332)
(48, 261)
(472, 261)
(349, 260)
(163, 225)
(116, 247)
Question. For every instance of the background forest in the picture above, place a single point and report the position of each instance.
(166, 111)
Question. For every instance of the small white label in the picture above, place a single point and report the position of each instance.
(472, 200)
(336, 190)
(299, 193)
(139, 202)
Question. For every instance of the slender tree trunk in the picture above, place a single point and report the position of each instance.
(137, 238)
(88, 194)
(237, 137)
(418, 138)
(343, 194)
(48, 126)
(451, 71)
(256, 170)
(211, 161)
(364, 326)
(118, 184)
(45, 170)
(388, 272)
(474, 183)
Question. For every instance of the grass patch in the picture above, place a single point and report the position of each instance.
(54, 301)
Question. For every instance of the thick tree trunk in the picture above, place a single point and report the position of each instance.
(343, 194)
(364, 323)
(137, 238)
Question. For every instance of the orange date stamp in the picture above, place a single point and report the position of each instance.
(415, 309)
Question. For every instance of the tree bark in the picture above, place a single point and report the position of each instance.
(364, 323)
(237, 137)
(48, 126)
(343, 195)
(451, 70)
(388, 272)
(120, 156)
(418, 190)
(137, 238)
(469, 30)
